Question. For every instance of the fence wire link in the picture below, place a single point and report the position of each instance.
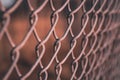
(93, 51)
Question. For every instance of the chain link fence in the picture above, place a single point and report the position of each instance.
(60, 40)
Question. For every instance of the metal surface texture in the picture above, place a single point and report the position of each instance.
(69, 40)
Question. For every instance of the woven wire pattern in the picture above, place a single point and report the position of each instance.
(60, 40)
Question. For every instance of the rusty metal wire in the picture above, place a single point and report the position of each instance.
(94, 48)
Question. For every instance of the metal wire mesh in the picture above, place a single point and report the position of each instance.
(60, 40)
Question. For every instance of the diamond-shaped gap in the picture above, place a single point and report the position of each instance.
(97, 27)
(89, 25)
(27, 55)
(18, 26)
(80, 45)
(65, 47)
(94, 21)
(90, 44)
(5, 58)
(106, 22)
(43, 24)
(61, 25)
(76, 26)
